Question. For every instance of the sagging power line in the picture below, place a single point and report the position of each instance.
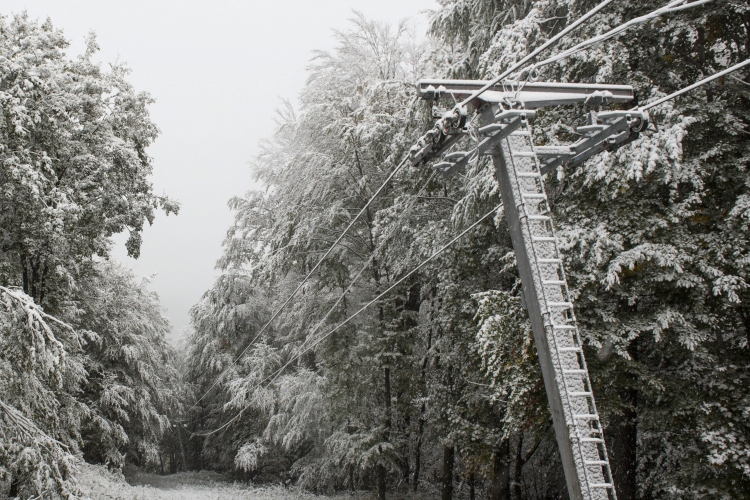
(302, 283)
(278, 372)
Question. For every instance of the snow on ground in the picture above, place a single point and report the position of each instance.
(97, 483)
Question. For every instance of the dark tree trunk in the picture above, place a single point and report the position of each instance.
(406, 470)
(420, 429)
(182, 448)
(34, 276)
(381, 472)
(13, 492)
(622, 439)
(622, 434)
(448, 456)
(381, 482)
(418, 450)
(745, 317)
(515, 486)
(472, 493)
(25, 276)
(499, 489)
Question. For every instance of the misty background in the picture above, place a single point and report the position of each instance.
(218, 71)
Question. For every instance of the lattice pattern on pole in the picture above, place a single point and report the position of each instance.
(518, 171)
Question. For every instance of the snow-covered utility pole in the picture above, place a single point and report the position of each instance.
(506, 112)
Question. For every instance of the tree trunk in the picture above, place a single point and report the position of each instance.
(13, 492)
(471, 486)
(418, 450)
(745, 321)
(499, 489)
(381, 482)
(182, 448)
(418, 447)
(515, 486)
(25, 276)
(622, 436)
(381, 472)
(448, 456)
(405, 469)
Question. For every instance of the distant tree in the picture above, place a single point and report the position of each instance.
(132, 385)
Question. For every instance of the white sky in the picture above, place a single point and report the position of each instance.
(218, 71)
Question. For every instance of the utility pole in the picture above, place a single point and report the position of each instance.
(507, 112)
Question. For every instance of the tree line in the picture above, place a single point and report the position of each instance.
(85, 369)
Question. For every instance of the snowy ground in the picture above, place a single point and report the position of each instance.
(99, 484)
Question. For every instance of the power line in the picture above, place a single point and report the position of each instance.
(278, 372)
(695, 85)
(372, 257)
(667, 9)
(301, 284)
(457, 115)
(364, 267)
(549, 43)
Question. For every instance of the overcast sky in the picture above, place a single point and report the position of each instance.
(217, 71)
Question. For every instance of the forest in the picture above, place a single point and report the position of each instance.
(435, 389)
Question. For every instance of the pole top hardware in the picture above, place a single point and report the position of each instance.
(517, 96)
(529, 95)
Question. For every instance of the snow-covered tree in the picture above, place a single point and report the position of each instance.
(132, 385)
(84, 367)
(442, 375)
(41, 371)
(73, 141)
(654, 234)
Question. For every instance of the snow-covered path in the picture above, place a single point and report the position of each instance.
(99, 484)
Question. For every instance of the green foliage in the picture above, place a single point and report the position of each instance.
(96, 378)
(132, 382)
(74, 171)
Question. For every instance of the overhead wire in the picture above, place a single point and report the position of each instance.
(669, 8)
(372, 257)
(674, 6)
(271, 378)
(543, 47)
(695, 85)
(306, 278)
(364, 267)
(301, 284)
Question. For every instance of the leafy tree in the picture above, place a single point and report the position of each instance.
(97, 377)
(132, 384)
(649, 232)
(41, 370)
(654, 242)
(73, 142)
(320, 169)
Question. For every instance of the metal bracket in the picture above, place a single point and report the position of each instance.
(529, 95)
